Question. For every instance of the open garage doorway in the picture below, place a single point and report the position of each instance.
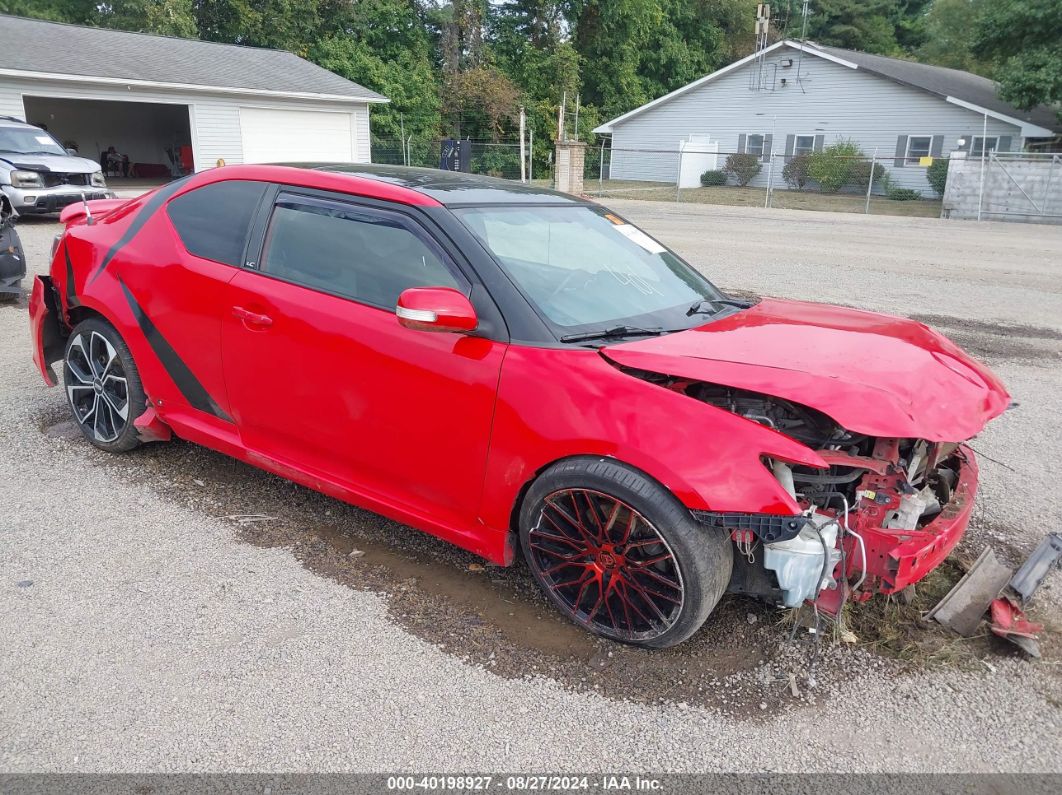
(153, 140)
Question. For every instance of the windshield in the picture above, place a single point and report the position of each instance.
(587, 270)
(24, 141)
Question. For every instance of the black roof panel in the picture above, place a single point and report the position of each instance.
(451, 188)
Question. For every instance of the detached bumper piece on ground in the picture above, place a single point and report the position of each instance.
(978, 593)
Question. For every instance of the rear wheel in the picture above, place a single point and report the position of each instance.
(619, 555)
(103, 386)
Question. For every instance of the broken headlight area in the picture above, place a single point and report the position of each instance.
(883, 514)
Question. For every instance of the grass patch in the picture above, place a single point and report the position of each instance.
(754, 197)
(894, 628)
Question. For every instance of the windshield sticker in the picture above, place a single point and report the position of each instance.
(43, 139)
(638, 237)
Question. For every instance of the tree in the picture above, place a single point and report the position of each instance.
(292, 25)
(694, 38)
(166, 17)
(949, 36)
(76, 11)
(610, 37)
(481, 98)
(632, 51)
(530, 42)
(1025, 40)
(866, 25)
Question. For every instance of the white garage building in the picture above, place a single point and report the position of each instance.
(171, 103)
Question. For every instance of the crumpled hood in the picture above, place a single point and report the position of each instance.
(60, 164)
(873, 374)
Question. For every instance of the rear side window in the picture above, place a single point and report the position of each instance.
(362, 253)
(213, 221)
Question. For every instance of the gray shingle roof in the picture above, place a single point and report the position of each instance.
(944, 82)
(37, 46)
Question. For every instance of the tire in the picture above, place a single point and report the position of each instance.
(103, 386)
(619, 555)
(11, 297)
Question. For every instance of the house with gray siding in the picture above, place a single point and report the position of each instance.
(795, 98)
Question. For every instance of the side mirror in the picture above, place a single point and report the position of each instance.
(436, 309)
(72, 151)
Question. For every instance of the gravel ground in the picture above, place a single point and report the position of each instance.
(146, 629)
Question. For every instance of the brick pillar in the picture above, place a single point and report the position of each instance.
(569, 166)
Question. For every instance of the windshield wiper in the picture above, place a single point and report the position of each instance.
(716, 306)
(615, 331)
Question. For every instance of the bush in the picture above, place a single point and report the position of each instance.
(903, 194)
(495, 162)
(832, 167)
(937, 175)
(710, 179)
(860, 174)
(742, 167)
(795, 172)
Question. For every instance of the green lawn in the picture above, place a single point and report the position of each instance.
(754, 197)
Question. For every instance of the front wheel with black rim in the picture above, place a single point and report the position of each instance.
(619, 555)
(103, 386)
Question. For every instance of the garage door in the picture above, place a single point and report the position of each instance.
(271, 136)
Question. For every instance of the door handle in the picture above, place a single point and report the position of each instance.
(251, 318)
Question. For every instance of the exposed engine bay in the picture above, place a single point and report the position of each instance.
(882, 515)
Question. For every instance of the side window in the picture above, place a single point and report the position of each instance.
(213, 221)
(982, 146)
(362, 253)
(805, 145)
(918, 146)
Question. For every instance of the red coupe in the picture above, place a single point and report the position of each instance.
(501, 365)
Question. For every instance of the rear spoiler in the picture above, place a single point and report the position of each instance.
(76, 213)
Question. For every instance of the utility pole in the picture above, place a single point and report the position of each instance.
(803, 43)
(402, 124)
(523, 154)
(577, 117)
(531, 155)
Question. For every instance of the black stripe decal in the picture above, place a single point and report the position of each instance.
(194, 392)
(142, 217)
(71, 294)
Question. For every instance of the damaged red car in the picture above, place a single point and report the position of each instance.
(507, 367)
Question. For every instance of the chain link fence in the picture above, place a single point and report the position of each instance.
(803, 180)
(997, 186)
(489, 158)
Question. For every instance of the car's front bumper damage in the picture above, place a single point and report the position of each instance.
(870, 525)
(898, 557)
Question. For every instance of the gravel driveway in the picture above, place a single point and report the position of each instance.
(149, 624)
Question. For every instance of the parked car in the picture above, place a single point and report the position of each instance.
(39, 176)
(12, 257)
(503, 367)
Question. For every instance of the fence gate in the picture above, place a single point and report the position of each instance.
(1006, 186)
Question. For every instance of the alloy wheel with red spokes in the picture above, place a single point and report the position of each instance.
(606, 565)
